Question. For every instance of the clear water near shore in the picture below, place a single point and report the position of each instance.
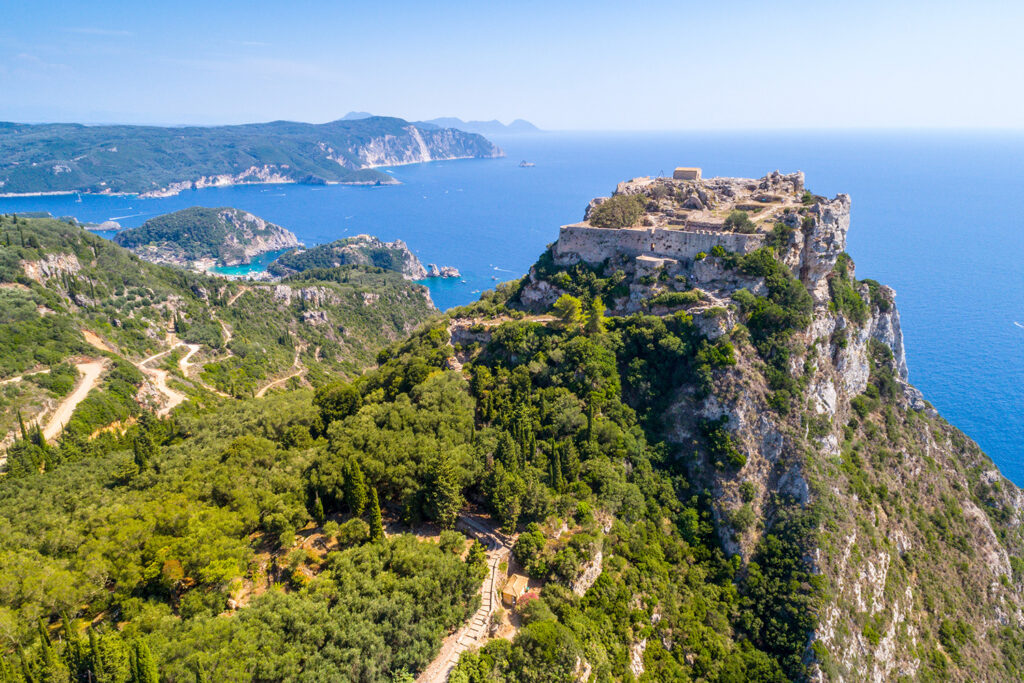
(935, 215)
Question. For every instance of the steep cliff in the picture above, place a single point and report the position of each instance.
(228, 236)
(827, 470)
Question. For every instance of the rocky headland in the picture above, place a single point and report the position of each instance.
(201, 238)
(803, 417)
(362, 250)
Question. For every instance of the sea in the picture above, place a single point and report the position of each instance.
(938, 216)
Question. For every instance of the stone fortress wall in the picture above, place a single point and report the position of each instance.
(594, 245)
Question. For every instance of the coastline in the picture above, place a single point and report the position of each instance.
(172, 191)
(429, 161)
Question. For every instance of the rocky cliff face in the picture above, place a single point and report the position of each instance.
(417, 145)
(915, 540)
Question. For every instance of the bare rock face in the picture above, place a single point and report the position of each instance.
(591, 572)
(822, 244)
(50, 266)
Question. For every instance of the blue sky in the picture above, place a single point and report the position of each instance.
(576, 65)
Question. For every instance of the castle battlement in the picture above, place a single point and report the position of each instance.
(685, 215)
(594, 245)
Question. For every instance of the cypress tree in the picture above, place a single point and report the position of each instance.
(443, 491)
(318, 510)
(595, 317)
(144, 670)
(590, 420)
(21, 424)
(376, 521)
(26, 670)
(570, 461)
(355, 489)
(72, 654)
(95, 662)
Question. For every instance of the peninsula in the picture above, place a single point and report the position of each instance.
(163, 161)
(364, 250)
(203, 237)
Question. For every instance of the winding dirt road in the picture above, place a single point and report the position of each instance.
(90, 372)
(159, 379)
(13, 380)
(277, 382)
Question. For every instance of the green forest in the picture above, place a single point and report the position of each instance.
(311, 534)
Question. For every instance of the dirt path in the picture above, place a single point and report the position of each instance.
(159, 379)
(277, 382)
(227, 332)
(90, 372)
(240, 292)
(183, 363)
(12, 380)
(94, 339)
(474, 633)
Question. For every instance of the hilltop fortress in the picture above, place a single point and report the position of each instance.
(680, 220)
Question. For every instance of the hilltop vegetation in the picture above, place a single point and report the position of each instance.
(715, 473)
(229, 236)
(361, 250)
(58, 283)
(71, 157)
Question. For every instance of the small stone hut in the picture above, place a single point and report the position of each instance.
(514, 587)
(686, 173)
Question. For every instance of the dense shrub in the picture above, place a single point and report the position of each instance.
(620, 211)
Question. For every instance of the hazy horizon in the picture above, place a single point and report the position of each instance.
(571, 67)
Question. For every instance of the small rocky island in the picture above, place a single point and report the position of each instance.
(202, 238)
(363, 250)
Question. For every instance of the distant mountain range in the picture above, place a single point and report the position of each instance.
(161, 161)
(493, 127)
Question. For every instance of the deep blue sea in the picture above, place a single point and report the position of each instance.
(937, 216)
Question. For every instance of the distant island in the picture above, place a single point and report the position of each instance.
(363, 250)
(202, 238)
(492, 127)
(163, 161)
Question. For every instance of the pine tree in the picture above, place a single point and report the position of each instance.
(376, 521)
(143, 449)
(507, 451)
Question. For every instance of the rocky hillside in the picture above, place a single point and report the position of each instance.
(364, 250)
(900, 541)
(164, 335)
(225, 236)
(157, 161)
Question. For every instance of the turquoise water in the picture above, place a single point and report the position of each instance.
(256, 265)
(935, 215)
